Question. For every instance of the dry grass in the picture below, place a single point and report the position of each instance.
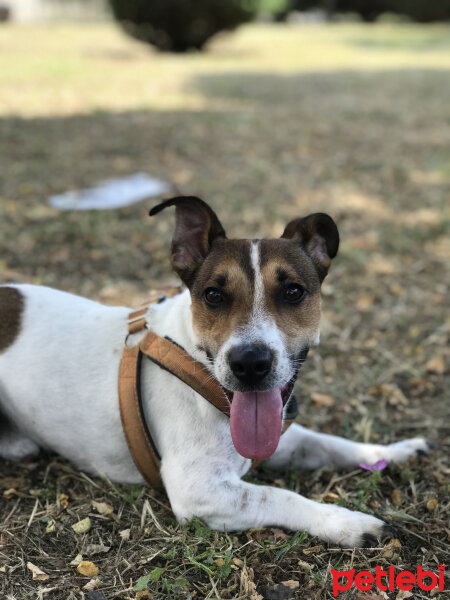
(272, 123)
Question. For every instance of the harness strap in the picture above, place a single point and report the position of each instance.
(177, 361)
(138, 438)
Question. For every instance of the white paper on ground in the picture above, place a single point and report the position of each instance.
(112, 193)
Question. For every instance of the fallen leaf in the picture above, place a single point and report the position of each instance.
(50, 528)
(431, 504)
(280, 482)
(322, 399)
(92, 549)
(11, 493)
(312, 550)
(64, 500)
(82, 526)
(279, 534)
(364, 302)
(76, 561)
(436, 365)
(439, 478)
(396, 497)
(396, 289)
(392, 393)
(291, 584)
(434, 592)
(414, 331)
(103, 508)
(38, 575)
(304, 566)
(254, 534)
(87, 568)
(331, 497)
(248, 585)
(380, 265)
(91, 585)
(392, 549)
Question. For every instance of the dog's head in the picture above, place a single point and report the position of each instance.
(255, 310)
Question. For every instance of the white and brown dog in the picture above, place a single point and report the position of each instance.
(250, 312)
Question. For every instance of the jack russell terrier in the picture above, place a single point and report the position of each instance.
(249, 315)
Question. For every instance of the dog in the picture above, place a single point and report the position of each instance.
(249, 314)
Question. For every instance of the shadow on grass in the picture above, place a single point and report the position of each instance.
(413, 86)
(429, 39)
(424, 45)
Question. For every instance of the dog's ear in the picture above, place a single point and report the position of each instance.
(319, 237)
(196, 229)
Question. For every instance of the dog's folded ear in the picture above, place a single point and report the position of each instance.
(196, 229)
(319, 237)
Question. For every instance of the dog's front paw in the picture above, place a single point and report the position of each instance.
(14, 446)
(352, 529)
(400, 452)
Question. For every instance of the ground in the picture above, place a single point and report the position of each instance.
(273, 122)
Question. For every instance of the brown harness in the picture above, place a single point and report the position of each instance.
(171, 357)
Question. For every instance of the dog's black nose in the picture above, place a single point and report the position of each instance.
(249, 363)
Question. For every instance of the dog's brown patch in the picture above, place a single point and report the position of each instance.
(284, 262)
(228, 268)
(244, 500)
(291, 260)
(11, 309)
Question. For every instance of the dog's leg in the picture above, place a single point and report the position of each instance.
(217, 495)
(15, 445)
(301, 448)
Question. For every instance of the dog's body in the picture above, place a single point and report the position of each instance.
(59, 364)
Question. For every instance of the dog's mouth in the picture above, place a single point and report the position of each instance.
(256, 420)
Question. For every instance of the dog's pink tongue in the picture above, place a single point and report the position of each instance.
(255, 422)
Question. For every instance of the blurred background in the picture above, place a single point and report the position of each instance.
(268, 110)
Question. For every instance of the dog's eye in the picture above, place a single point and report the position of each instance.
(294, 293)
(213, 297)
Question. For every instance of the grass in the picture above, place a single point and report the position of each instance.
(272, 123)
